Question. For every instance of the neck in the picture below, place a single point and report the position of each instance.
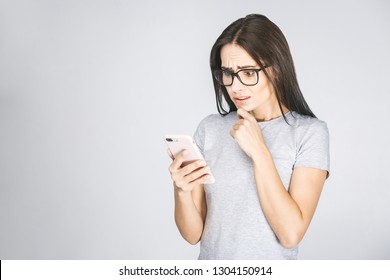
(270, 113)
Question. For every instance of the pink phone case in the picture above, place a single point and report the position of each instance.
(178, 143)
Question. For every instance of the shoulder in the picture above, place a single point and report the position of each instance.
(312, 142)
(217, 120)
(213, 127)
(306, 124)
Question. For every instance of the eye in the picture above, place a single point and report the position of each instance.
(226, 73)
(249, 72)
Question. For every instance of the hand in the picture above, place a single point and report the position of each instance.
(187, 177)
(247, 133)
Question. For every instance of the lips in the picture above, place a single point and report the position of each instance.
(241, 99)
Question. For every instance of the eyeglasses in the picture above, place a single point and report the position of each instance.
(248, 77)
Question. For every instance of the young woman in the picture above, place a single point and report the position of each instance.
(268, 152)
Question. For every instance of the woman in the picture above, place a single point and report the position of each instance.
(268, 152)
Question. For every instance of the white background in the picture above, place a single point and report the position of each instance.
(89, 88)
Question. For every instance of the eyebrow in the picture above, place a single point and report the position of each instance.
(238, 67)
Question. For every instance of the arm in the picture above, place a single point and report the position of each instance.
(190, 213)
(190, 202)
(288, 212)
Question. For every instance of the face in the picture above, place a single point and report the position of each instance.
(259, 99)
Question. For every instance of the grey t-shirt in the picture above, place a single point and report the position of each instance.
(236, 227)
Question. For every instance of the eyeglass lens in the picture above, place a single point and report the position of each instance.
(248, 77)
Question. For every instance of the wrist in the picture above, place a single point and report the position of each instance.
(179, 192)
(262, 153)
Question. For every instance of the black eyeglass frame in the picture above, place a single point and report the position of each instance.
(235, 74)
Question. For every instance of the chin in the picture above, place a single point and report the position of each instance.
(247, 108)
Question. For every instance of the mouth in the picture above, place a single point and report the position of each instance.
(241, 99)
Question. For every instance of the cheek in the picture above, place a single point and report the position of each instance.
(257, 91)
(262, 90)
(230, 92)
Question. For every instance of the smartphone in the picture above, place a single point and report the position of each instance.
(178, 143)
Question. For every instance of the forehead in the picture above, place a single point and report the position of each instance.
(234, 56)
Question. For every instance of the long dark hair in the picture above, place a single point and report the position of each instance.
(266, 44)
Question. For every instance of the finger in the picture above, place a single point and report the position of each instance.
(178, 161)
(233, 133)
(238, 124)
(192, 167)
(197, 174)
(170, 154)
(189, 187)
(202, 179)
(245, 114)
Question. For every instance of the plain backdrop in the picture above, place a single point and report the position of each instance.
(88, 89)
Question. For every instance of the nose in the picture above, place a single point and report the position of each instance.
(236, 85)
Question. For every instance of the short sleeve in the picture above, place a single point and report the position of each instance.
(199, 136)
(202, 133)
(313, 147)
